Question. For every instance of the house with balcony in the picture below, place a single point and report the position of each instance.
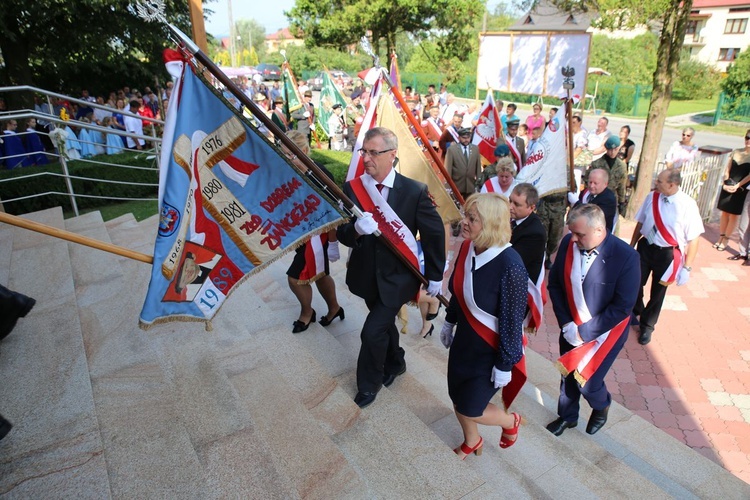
(717, 31)
(282, 39)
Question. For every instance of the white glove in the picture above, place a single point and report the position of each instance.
(572, 198)
(570, 334)
(306, 114)
(434, 288)
(682, 277)
(365, 224)
(500, 378)
(333, 251)
(446, 334)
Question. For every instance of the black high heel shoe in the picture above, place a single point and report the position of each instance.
(300, 326)
(324, 321)
(431, 316)
(429, 332)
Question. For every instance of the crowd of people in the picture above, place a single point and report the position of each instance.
(26, 144)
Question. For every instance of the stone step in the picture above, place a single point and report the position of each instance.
(55, 448)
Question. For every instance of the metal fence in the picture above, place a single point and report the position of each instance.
(702, 180)
(61, 156)
(735, 109)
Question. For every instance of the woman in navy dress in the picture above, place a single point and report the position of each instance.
(488, 303)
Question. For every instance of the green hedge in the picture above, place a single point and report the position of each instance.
(47, 183)
(335, 161)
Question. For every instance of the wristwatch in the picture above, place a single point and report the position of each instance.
(687, 268)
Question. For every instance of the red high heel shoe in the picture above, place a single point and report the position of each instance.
(464, 448)
(504, 441)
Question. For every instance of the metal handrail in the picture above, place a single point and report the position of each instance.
(57, 122)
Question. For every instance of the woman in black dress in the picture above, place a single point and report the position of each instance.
(733, 192)
(319, 249)
(488, 303)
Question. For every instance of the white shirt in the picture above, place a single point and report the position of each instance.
(680, 154)
(387, 183)
(581, 139)
(134, 126)
(680, 215)
(486, 256)
(597, 140)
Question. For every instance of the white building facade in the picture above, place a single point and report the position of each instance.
(718, 31)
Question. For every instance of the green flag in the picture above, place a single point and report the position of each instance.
(290, 92)
(329, 95)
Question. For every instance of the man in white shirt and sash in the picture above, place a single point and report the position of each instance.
(670, 223)
(593, 285)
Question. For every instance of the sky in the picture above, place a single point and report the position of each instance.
(270, 15)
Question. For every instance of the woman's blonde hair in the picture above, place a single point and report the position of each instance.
(505, 164)
(493, 211)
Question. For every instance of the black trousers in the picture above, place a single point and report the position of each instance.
(380, 353)
(595, 391)
(654, 261)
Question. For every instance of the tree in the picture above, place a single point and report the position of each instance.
(671, 16)
(738, 76)
(251, 34)
(341, 23)
(67, 45)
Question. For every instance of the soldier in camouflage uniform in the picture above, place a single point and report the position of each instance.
(615, 167)
(551, 210)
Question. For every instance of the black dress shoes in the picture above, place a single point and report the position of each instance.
(557, 427)
(364, 399)
(388, 378)
(13, 306)
(5, 427)
(324, 321)
(597, 420)
(299, 326)
(737, 257)
(645, 336)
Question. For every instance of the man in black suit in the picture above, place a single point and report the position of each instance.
(529, 237)
(599, 194)
(374, 272)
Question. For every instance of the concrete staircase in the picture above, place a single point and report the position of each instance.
(102, 409)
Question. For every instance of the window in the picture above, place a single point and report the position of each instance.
(735, 26)
(692, 27)
(728, 54)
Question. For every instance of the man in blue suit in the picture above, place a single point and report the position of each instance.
(593, 285)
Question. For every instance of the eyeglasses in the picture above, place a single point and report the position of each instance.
(372, 153)
(687, 135)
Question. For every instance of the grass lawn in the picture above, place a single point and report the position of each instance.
(140, 209)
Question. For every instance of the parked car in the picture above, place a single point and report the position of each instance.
(269, 71)
(317, 82)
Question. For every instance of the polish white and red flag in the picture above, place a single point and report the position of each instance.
(489, 128)
(357, 166)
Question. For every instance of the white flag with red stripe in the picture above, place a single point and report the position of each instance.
(356, 165)
(489, 128)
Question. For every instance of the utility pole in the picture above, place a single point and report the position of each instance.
(232, 48)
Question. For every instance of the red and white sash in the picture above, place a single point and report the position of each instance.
(436, 126)
(452, 130)
(585, 195)
(585, 359)
(537, 297)
(390, 225)
(670, 275)
(492, 185)
(315, 260)
(482, 322)
(511, 142)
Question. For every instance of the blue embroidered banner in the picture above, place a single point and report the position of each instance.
(230, 204)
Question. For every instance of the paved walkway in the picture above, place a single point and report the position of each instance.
(693, 379)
